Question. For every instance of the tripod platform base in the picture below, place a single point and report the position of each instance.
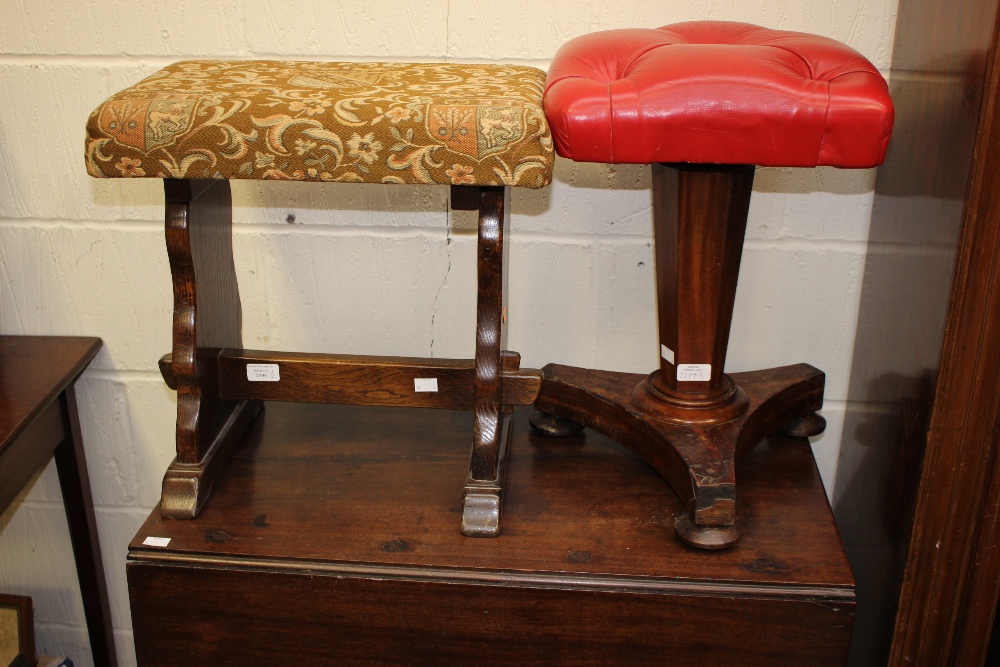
(697, 460)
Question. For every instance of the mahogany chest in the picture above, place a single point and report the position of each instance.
(332, 538)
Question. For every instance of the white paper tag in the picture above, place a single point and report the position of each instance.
(263, 373)
(156, 541)
(425, 384)
(667, 353)
(694, 372)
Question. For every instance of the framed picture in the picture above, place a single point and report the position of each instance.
(17, 632)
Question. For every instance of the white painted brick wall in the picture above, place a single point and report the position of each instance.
(364, 269)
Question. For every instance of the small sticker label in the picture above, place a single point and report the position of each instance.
(156, 541)
(667, 353)
(694, 372)
(263, 373)
(425, 384)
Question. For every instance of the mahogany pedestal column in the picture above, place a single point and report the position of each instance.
(689, 419)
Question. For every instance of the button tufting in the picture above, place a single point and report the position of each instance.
(717, 92)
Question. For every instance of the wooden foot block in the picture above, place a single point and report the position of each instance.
(482, 501)
(187, 486)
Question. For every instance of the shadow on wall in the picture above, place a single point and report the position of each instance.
(916, 217)
(881, 454)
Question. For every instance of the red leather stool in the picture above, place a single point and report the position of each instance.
(704, 102)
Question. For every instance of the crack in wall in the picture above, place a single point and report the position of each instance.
(447, 272)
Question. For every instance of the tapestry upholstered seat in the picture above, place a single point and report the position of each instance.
(198, 124)
(382, 122)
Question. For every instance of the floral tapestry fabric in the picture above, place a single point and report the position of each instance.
(314, 121)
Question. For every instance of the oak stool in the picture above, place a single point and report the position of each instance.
(197, 124)
(703, 102)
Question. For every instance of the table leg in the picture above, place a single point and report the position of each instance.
(75, 483)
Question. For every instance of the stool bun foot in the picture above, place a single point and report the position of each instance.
(552, 426)
(805, 427)
(697, 460)
(706, 537)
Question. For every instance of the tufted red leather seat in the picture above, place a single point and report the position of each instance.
(705, 103)
(717, 92)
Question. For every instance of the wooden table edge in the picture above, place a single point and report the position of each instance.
(475, 576)
(76, 370)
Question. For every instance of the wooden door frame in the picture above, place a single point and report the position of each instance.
(950, 583)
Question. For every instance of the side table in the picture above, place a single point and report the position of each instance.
(331, 538)
(38, 419)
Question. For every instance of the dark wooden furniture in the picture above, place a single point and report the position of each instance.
(692, 432)
(331, 538)
(38, 419)
(216, 400)
(702, 102)
(917, 488)
(479, 129)
(951, 578)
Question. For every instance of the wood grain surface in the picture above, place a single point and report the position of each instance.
(207, 310)
(34, 370)
(39, 419)
(207, 318)
(948, 595)
(699, 221)
(332, 534)
(699, 462)
(366, 380)
(333, 486)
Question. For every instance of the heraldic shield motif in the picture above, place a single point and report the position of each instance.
(478, 131)
(147, 123)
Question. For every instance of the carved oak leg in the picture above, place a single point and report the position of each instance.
(207, 318)
(483, 496)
